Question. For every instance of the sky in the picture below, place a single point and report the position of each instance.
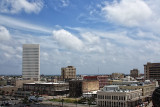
(95, 36)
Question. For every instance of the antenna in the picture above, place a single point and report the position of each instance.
(98, 70)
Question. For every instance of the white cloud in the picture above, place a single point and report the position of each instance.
(8, 49)
(16, 6)
(4, 33)
(65, 3)
(67, 39)
(90, 38)
(22, 25)
(128, 12)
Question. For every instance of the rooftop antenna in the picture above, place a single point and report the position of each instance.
(98, 70)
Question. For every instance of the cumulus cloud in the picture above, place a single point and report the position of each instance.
(16, 6)
(8, 49)
(127, 12)
(4, 33)
(67, 39)
(90, 38)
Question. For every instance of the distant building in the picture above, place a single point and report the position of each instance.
(147, 89)
(103, 79)
(152, 71)
(134, 73)
(78, 87)
(68, 73)
(117, 75)
(47, 88)
(112, 96)
(31, 62)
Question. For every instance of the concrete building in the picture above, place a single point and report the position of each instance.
(47, 88)
(68, 73)
(134, 73)
(31, 62)
(112, 96)
(103, 79)
(147, 87)
(152, 71)
(78, 87)
(117, 75)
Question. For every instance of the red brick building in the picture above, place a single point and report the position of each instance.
(103, 79)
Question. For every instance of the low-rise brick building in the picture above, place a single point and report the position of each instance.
(78, 87)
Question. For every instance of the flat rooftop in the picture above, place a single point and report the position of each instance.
(46, 83)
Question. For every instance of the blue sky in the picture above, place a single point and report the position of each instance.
(112, 35)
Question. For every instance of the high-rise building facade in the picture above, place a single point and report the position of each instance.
(68, 72)
(134, 73)
(152, 71)
(31, 62)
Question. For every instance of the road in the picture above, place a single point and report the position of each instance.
(59, 104)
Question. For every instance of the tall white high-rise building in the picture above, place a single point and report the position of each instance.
(31, 62)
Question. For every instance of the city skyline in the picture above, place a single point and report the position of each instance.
(96, 37)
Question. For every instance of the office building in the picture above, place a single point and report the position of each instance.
(152, 71)
(134, 73)
(31, 62)
(68, 73)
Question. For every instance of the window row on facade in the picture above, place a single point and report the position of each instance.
(111, 97)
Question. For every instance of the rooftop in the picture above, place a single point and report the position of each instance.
(45, 83)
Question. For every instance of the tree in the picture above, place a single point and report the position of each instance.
(25, 100)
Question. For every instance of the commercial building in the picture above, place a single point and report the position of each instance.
(112, 96)
(47, 88)
(78, 87)
(152, 71)
(103, 79)
(147, 89)
(147, 86)
(134, 73)
(68, 73)
(31, 62)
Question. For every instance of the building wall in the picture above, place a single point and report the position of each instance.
(48, 89)
(103, 79)
(8, 89)
(134, 73)
(78, 87)
(117, 75)
(152, 71)
(118, 99)
(68, 72)
(92, 85)
(75, 88)
(19, 83)
(31, 61)
(147, 90)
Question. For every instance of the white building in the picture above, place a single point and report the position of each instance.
(31, 62)
(112, 96)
